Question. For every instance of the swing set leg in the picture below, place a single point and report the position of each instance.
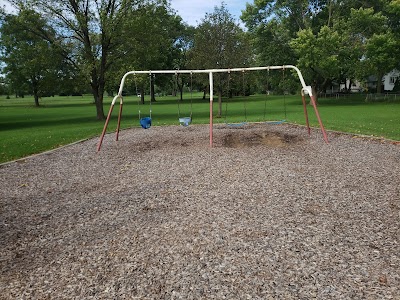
(119, 121)
(105, 128)
(303, 98)
(314, 104)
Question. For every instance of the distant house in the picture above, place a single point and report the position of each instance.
(355, 86)
(390, 79)
(388, 83)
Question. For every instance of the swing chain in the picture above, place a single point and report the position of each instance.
(191, 95)
(227, 100)
(244, 96)
(266, 95)
(137, 92)
(176, 87)
(284, 91)
(152, 76)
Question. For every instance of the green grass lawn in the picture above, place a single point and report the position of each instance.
(25, 129)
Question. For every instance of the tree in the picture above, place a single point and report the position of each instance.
(381, 56)
(219, 42)
(29, 60)
(152, 35)
(330, 40)
(93, 35)
(319, 56)
(184, 44)
(373, 39)
(272, 25)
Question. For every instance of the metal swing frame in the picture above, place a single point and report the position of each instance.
(305, 90)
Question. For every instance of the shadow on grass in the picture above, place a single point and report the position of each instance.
(37, 123)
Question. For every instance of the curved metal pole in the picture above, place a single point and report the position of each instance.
(299, 74)
(306, 89)
(119, 118)
(106, 123)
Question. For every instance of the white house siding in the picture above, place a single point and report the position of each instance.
(390, 79)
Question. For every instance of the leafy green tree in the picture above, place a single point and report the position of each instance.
(330, 40)
(318, 55)
(381, 55)
(219, 42)
(29, 60)
(372, 38)
(181, 62)
(272, 25)
(153, 34)
(95, 35)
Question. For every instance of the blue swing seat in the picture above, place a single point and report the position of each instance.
(185, 121)
(145, 122)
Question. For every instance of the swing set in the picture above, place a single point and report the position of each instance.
(185, 121)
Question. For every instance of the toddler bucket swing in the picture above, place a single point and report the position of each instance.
(144, 122)
(185, 121)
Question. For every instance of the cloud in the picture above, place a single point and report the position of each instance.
(8, 8)
(192, 11)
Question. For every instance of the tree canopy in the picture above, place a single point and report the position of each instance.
(30, 63)
(331, 41)
(100, 37)
(219, 42)
(94, 42)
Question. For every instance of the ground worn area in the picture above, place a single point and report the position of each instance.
(268, 213)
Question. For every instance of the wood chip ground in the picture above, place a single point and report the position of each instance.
(268, 213)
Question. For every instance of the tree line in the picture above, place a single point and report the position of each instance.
(72, 46)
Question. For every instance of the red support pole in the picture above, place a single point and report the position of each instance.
(303, 98)
(314, 104)
(105, 128)
(119, 120)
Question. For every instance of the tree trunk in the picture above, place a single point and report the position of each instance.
(180, 88)
(98, 91)
(379, 83)
(152, 93)
(36, 99)
(35, 93)
(204, 92)
(142, 94)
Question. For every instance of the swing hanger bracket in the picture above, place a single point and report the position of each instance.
(306, 90)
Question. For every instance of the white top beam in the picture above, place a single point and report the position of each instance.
(305, 88)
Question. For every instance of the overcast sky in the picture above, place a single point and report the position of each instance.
(192, 11)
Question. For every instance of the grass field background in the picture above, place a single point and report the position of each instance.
(26, 129)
